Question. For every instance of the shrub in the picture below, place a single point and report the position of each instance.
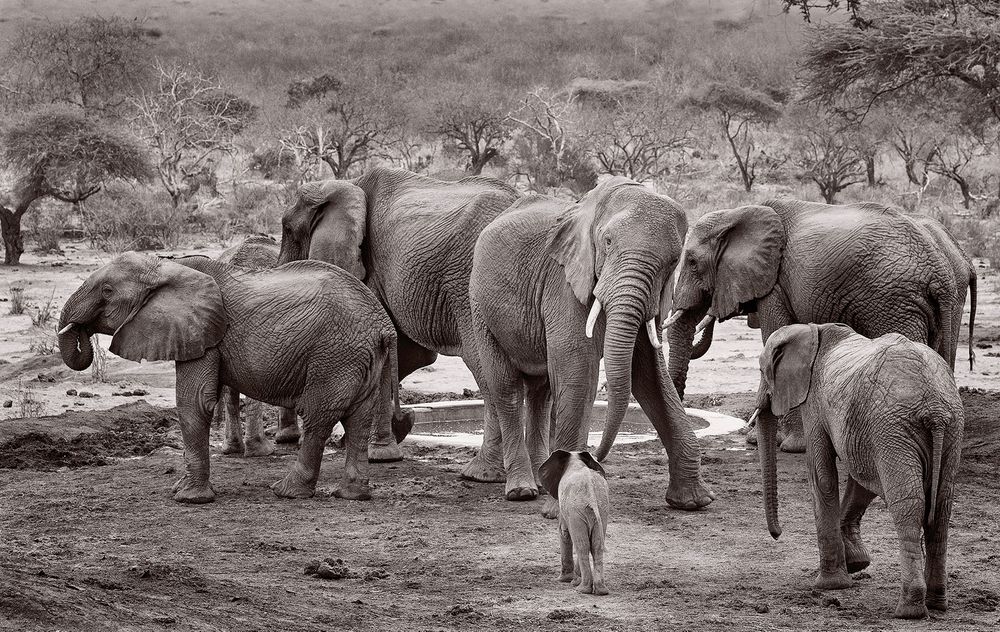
(123, 218)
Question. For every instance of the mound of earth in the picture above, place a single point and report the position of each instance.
(82, 438)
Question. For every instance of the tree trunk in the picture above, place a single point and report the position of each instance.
(870, 170)
(963, 185)
(13, 243)
(479, 161)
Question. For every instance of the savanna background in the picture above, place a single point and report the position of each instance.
(182, 126)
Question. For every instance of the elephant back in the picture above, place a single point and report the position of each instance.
(256, 252)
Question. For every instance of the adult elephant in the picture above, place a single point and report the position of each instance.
(557, 285)
(791, 262)
(410, 238)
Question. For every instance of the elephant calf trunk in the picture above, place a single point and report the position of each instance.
(767, 431)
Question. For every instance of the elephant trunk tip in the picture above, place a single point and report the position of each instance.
(775, 532)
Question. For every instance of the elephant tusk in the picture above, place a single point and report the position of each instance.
(595, 311)
(651, 332)
(705, 322)
(66, 328)
(673, 318)
(753, 418)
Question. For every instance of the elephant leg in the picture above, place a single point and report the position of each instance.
(229, 409)
(822, 473)
(505, 388)
(537, 417)
(288, 426)
(488, 464)
(568, 569)
(581, 545)
(197, 390)
(384, 444)
(597, 552)
(357, 429)
(655, 392)
(904, 494)
(936, 545)
(321, 410)
(256, 443)
(855, 503)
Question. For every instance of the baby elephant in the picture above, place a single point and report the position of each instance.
(888, 408)
(306, 335)
(578, 482)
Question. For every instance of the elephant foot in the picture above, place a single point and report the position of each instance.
(289, 434)
(855, 551)
(600, 588)
(585, 589)
(353, 490)
(793, 442)
(751, 437)
(482, 471)
(384, 453)
(292, 486)
(551, 508)
(232, 446)
(258, 447)
(937, 600)
(187, 491)
(402, 426)
(833, 581)
(689, 496)
(566, 577)
(519, 493)
(909, 610)
(576, 581)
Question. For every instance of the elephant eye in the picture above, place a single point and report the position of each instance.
(607, 240)
(106, 291)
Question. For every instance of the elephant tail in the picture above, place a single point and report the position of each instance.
(937, 447)
(972, 315)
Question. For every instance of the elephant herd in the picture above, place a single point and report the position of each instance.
(532, 292)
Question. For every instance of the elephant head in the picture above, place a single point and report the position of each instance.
(154, 308)
(731, 259)
(618, 248)
(327, 223)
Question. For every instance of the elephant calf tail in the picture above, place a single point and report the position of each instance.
(972, 315)
(937, 448)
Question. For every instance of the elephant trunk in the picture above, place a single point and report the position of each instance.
(74, 338)
(627, 308)
(680, 337)
(767, 438)
(704, 340)
(289, 251)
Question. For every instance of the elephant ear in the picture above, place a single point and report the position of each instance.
(338, 225)
(590, 462)
(787, 365)
(748, 244)
(180, 317)
(551, 472)
(571, 239)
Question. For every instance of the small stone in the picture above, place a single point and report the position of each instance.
(86, 394)
(71, 392)
(762, 608)
(8, 403)
(831, 602)
(139, 392)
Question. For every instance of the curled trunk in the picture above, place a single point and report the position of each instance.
(76, 350)
(74, 342)
(767, 439)
(680, 339)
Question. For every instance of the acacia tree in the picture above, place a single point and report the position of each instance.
(953, 155)
(826, 151)
(473, 124)
(340, 123)
(91, 62)
(951, 47)
(63, 155)
(188, 120)
(738, 112)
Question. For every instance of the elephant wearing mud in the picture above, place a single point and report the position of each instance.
(555, 286)
(306, 336)
(788, 262)
(889, 409)
(256, 252)
(410, 238)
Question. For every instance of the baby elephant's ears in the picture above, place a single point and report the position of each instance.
(551, 472)
(592, 463)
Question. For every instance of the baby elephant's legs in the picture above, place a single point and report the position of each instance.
(597, 551)
(569, 570)
(300, 482)
(822, 472)
(197, 393)
(228, 409)
(856, 501)
(581, 544)
(257, 444)
(357, 429)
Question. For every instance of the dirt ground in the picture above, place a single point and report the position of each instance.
(90, 540)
